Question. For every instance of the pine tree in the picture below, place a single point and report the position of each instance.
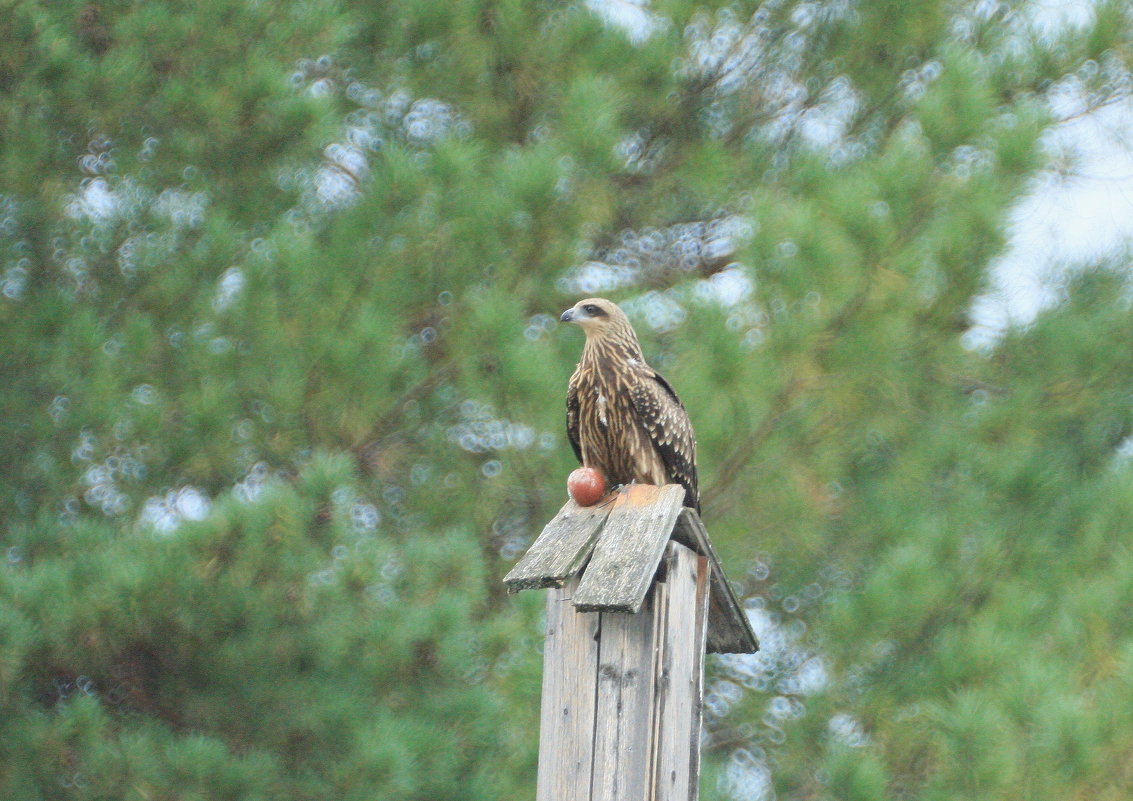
(283, 386)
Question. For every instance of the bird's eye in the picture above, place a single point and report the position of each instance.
(591, 309)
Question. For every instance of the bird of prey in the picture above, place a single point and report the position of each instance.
(623, 418)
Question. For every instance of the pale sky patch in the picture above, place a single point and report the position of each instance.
(633, 17)
(1076, 213)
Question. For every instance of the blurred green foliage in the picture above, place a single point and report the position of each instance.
(282, 389)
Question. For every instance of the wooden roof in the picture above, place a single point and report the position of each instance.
(618, 545)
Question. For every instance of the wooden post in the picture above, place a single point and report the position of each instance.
(623, 664)
(621, 692)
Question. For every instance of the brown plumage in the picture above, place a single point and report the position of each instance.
(623, 418)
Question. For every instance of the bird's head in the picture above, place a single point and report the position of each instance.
(599, 318)
(594, 315)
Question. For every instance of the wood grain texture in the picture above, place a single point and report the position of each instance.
(624, 706)
(623, 685)
(682, 603)
(630, 547)
(566, 724)
(729, 630)
(621, 710)
(562, 548)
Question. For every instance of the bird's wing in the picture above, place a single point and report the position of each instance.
(572, 418)
(668, 426)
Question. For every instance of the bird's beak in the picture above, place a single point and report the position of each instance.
(568, 316)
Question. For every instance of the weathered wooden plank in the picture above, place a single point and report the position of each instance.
(566, 723)
(729, 630)
(624, 706)
(682, 600)
(700, 627)
(562, 548)
(661, 603)
(629, 548)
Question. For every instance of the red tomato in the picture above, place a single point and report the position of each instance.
(586, 485)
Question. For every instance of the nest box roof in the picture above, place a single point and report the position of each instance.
(618, 545)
